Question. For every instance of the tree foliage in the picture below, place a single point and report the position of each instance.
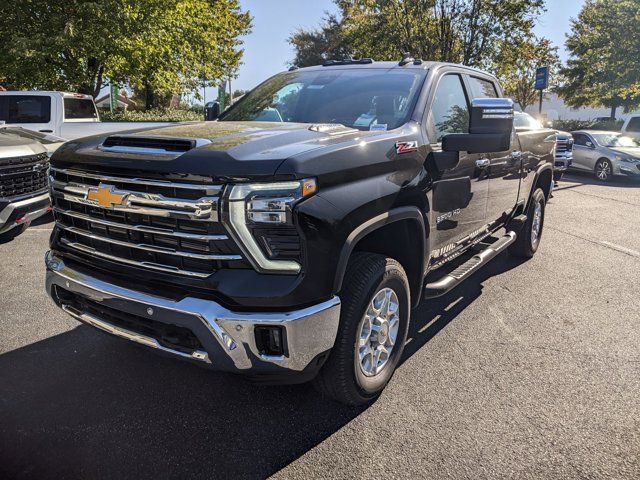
(515, 65)
(604, 64)
(459, 31)
(162, 46)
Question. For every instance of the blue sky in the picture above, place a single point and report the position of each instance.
(267, 50)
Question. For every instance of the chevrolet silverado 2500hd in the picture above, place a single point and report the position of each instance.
(295, 250)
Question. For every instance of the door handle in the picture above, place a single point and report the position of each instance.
(46, 131)
(483, 162)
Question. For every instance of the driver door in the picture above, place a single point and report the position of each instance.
(459, 195)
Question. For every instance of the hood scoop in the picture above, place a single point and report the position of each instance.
(331, 128)
(136, 144)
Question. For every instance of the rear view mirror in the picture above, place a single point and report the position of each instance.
(490, 127)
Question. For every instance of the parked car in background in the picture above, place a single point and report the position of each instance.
(605, 154)
(66, 115)
(24, 196)
(631, 127)
(49, 141)
(523, 122)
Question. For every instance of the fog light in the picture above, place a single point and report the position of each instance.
(270, 340)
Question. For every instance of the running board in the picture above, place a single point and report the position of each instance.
(451, 280)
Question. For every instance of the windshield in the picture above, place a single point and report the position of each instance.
(367, 99)
(43, 138)
(524, 120)
(613, 140)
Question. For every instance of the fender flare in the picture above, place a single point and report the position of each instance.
(394, 215)
(534, 184)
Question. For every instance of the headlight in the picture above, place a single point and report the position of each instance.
(265, 204)
(620, 158)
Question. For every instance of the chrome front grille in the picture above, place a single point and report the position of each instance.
(564, 145)
(170, 227)
(21, 176)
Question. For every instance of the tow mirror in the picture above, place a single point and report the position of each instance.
(490, 127)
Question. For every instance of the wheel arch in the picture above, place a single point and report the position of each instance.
(543, 179)
(399, 234)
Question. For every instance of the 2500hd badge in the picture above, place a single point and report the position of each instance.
(294, 249)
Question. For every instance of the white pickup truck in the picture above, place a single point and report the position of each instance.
(67, 115)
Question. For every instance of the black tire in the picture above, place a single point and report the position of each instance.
(11, 234)
(525, 245)
(603, 170)
(557, 176)
(342, 377)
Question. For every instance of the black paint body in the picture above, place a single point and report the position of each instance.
(364, 189)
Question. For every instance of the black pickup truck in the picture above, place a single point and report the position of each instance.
(289, 239)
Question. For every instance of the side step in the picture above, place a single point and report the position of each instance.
(450, 280)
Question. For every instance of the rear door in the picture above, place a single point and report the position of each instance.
(29, 111)
(459, 195)
(503, 167)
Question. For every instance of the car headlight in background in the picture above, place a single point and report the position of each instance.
(620, 158)
(265, 204)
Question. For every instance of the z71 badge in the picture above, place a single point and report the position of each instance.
(406, 147)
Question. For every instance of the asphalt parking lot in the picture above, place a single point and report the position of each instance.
(528, 370)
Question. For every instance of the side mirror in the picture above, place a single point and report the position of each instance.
(490, 127)
(212, 112)
(589, 144)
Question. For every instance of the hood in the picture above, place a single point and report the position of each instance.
(630, 151)
(223, 150)
(12, 145)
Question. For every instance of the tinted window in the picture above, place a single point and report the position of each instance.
(360, 98)
(481, 88)
(449, 110)
(77, 108)
(634, 125)
(580, 139)
(25, 109)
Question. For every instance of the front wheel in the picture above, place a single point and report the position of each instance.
(603, 170)
(528, 238)
(373, 330)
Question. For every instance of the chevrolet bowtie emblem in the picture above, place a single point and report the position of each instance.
(105, 197)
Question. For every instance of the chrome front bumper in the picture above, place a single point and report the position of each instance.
(227, 337)
(33, 208)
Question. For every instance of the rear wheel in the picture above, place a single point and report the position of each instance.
(603, 170)
(528, 238)
(373, 329)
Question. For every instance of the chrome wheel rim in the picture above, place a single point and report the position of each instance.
(536, 224)
(603, 170)
(378, 332)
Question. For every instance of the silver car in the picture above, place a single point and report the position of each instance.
(605, 154)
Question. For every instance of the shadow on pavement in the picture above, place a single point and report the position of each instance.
(86, 405)
(586, 178)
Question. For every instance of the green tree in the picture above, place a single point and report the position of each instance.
(515, 65)
(459, 31)
(604, 64)
(314, 47)
(159, 46)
